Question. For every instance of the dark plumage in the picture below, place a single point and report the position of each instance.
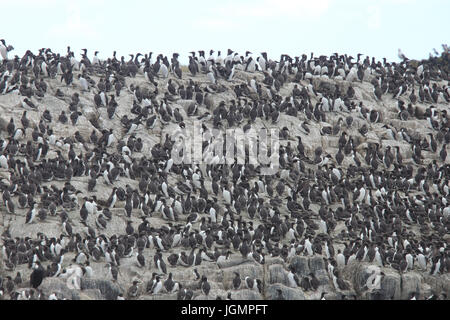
(37, 276)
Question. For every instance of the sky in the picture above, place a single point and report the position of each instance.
(377, 28)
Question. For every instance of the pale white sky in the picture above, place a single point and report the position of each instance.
(371, 27)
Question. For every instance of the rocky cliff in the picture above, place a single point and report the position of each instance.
(370, 201)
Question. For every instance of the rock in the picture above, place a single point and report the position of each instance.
(273, 260)
(171, 296)
(366, 97)
(91, 294)
(411, 282)
(331, 295)
(247, 76)
(209, 270)
(324, 86)
(59, 287)
(425, 290)
(316, 263)
(277, 274)
(358, 273)
(288, 293)
(246, 294)
(3, 124)
(213, 294)
(322, 276)
(32, 229)
(300, 265)
(390, 286)
(232, 262)
(108, 289)
(438, 284)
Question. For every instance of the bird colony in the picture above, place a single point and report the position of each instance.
(94, 206)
